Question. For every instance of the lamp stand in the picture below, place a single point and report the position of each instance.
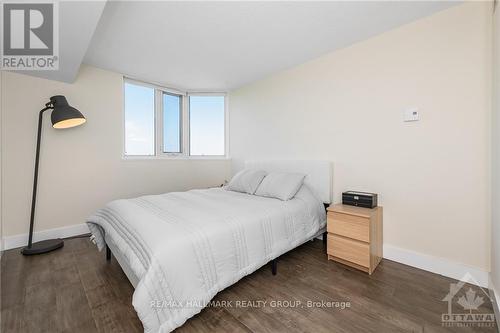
(50, 244)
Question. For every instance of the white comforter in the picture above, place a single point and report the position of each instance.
(185, 247)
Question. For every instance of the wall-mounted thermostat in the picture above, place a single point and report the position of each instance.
(411, 114)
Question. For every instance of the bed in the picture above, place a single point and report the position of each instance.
(180, 249)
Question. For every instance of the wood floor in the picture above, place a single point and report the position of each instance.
(75, 290)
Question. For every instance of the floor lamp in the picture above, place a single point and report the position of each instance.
(63, 116)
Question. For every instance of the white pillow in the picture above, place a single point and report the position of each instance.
(246, 181)
(280, 185)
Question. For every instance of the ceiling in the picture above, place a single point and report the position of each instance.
(217, 46)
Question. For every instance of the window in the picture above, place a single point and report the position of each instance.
(139, 120)
(206, 125)
(166, 123)
(172, 113)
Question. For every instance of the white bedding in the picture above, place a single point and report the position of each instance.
(186, 246)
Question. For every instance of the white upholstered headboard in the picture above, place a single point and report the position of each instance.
(318, 173)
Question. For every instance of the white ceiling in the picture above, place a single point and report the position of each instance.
(224, 45)
(216, 46)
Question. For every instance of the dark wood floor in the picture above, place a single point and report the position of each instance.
(75, 290)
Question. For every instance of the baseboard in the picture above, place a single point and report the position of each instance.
(436, 265)
(12, 242)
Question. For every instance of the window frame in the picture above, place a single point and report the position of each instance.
(159, 123)
(184, 122)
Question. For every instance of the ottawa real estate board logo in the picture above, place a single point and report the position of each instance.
(468, 305)
(30, 36)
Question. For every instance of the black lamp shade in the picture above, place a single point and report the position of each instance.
(64, 115)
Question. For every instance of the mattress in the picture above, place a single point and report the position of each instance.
(180, 249)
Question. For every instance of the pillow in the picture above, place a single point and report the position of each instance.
(246, 181)
(280, 185)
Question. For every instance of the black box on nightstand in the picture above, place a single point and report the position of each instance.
(360, 199)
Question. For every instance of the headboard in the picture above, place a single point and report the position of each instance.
(318, 173)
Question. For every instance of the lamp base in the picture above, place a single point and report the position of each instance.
(43, 247)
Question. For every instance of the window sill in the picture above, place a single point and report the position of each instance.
(173, 158)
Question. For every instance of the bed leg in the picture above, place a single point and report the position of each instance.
(108, 253)
(274, 266)
(324, 240)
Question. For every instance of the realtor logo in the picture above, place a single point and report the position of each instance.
(464, 305)
(30, 36)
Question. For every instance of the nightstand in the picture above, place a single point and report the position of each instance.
(355, 236)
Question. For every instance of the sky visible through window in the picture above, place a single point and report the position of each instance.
(171, 123)
(139, 120)
(206, 122)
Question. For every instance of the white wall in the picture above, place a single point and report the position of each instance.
(433, 175)
(495, 228)
(1, 171)
(80, 168)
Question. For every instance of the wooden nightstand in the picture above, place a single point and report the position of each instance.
(355, 236)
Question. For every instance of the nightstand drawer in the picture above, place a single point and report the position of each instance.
(351, 250)
(351, 226)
